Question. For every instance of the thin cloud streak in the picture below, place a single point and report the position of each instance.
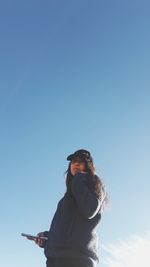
(131, 252)
(15, 90)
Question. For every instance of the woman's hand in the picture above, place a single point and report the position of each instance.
(38, 240)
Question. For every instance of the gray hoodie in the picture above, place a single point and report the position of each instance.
(72, 232)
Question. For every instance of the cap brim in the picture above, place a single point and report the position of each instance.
(73, 156)
(70, 157)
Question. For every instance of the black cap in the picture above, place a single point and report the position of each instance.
(81, 153)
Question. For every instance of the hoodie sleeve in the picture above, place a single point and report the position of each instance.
(87, 202)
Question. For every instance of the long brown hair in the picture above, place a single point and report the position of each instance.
(94, 183)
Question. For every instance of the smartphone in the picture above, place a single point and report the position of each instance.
(33, 237)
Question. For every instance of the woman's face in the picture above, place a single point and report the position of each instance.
(77, 165)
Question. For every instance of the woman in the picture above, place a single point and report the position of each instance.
(72, 240)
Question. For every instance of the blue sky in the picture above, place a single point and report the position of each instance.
(74, 74)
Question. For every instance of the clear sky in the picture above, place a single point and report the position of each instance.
(74, 74)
